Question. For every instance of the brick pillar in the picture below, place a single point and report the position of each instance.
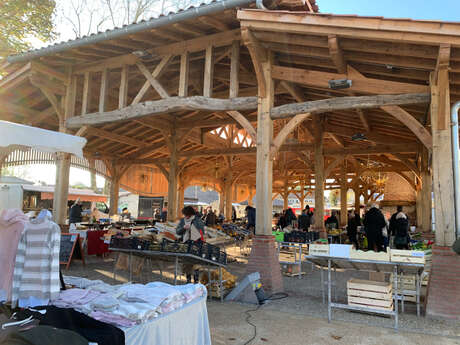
(444, 285)
(264, 259)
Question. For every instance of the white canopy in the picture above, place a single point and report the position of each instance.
(14, 136)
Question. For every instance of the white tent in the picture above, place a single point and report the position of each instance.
(15, 136)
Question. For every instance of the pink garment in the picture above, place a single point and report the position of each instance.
(75, 297)
(116, 320)
(12, 223)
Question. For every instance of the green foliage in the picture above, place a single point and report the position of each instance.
(334, 197)
(21, 20)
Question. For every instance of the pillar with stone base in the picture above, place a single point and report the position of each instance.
(264, 258)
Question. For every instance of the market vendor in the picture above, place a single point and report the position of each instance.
(75, 212)
(125, 214)
(190, 228)
(332, 222)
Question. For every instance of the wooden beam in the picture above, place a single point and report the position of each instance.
(336, 54)
(364, 85)
(243, 121)
(115, 137)
(50, 72)
(113, 62)
(86, 94)
(153, 81)
(212, 123)
(259, 55)
(235, 69)
(337, 140)
(104, 90)
(208, 72)
(54, 102)
(364, 120)
(221, 39)
(293, 90)
(381, 149)
(184, 74)
(164, 106)
(285, 131)
(412, 123)
(343, 103)
(123, 91)
(156, 74)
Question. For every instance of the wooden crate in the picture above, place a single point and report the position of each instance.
(369, 255)
(411, 256)
(318, 249)
(370, 294)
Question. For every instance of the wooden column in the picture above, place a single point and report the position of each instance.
(251, 196)
(234, 69)
(61, 189)
(319, 174)
(222, 200)
(104, 90)
(264, 168)
(443, 187)
(208, 72)
(228, 200)
(343, 196)
(184, 74)
(180, 196)
(425, 193)
(172, 180)
(92, 166)
(357, 192)
(286, 195)
(114, 194)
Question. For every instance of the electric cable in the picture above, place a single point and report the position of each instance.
(274, 297)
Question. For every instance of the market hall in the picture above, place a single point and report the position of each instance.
(267, 99)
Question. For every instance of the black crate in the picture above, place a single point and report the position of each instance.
(121, 243)
(222, 258)
(211, 252)
(195, 248)
(174, 247)
(140, 244)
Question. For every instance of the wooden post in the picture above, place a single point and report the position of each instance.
(86, 100)
(104, 90)
(222, 200)
(251, 196)
(208, 72)
(319, 174)
(228, 199)
(184, 74)
(426, 194)
(234, 69)
(343, 196)
(357, 192)
(114, 194)
(92, 166)
(61, 189)
(181, 196)
(172, 180)
(442, 160)
(264, 168)
(123, 91)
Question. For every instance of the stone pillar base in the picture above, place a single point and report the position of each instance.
(264, 259)
(444, 285)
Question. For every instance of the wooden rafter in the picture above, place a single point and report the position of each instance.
(259, 55)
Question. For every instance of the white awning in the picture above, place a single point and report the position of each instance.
(15, 136)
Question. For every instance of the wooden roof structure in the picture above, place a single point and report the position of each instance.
(183, 98)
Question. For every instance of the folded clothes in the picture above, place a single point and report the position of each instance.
(105, 302)
(116, 320)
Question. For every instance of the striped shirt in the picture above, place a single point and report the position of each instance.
(36, 270)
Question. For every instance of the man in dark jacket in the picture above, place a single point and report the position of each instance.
(251, 214)
(374, 221)
(399, 228)
(332, 222)
(352, 229)
(75, 212)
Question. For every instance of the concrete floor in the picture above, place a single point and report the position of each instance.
(299, 319)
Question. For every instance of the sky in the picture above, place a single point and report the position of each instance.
(446, 10)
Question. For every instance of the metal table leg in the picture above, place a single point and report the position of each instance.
(115, 267)
(300, 261)
(396, 297)
(209, 282)
(322, 284)
(417, 287)
(329, 309)
(220, 285)
(176, 266)
(130, 266)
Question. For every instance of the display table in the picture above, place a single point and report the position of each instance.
(186, 326)
(369, 266)
(173, 257)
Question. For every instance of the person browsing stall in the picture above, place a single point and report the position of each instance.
(75, 212)
(190, 228)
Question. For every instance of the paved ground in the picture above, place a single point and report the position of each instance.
(299, 319)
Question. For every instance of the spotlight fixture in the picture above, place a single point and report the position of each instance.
(337, 84)
(358, 137)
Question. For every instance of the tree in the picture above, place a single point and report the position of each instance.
(23, 20)
(334, 197)
(89, 16)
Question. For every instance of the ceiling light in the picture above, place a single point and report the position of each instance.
(337, 84)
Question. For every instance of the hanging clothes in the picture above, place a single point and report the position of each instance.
(12, 223)
(36, 269)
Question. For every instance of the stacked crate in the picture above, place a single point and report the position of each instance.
(370, 294)
(407, 284)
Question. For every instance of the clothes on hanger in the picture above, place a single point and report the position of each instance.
(36, 268)
(12, 224)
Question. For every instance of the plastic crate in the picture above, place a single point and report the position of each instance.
(222, 258)
(121, 243)
(195, 248)
(279, 236)
(173, 247)
(211, 252)
(140, 244)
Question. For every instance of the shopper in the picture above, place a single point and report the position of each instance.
(251, 215)
(211, 218)
(332, 222)
(125, 214)
(352, 229)
(290, 216)
(75, 212)
(305, 218)
(190, 228)
(399, 228)
(374, 221)
(164, 213)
